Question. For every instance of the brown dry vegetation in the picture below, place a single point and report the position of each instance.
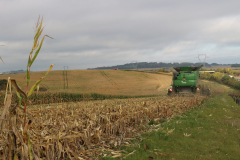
(100, 81)
(86, 129)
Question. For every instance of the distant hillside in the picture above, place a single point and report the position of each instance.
(155, 65)
(107, 82)
(15, 72)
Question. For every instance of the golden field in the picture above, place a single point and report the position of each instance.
(112, 82)
(87, 129)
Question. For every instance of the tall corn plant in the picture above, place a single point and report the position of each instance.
(27, 151)
(36, 46)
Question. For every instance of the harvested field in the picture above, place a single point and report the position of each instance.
(86, 129)
(111, 82)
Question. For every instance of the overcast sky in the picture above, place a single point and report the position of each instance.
(97, 33)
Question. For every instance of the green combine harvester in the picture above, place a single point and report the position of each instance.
(185, 81)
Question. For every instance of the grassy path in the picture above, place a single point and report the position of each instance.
(210, 131)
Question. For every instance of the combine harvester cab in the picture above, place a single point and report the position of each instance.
(185, 80)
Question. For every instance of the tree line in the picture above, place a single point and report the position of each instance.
(156, 65)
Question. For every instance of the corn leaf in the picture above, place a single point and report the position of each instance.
(37, 26)
(8, 103)
(22, 108)
(28, 74)
(30, 54)
(15, 157)
(39, 81)
(29, 60)
(20, 137)
(35, 47)
(40, 34)
(37, 34)
(6, 92)
(10, 85)
(19, 98)
(18, 88)
(37, 88)
(30, 148)
(1, 59)
(36, 53)
(28, 77)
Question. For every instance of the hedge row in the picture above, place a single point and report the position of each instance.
(221, 78)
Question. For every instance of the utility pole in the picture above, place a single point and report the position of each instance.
(65, 76)
(204, 59)
(134, 66)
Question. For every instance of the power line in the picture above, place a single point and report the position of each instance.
(204, 59)
(65, 77)
(134, 65)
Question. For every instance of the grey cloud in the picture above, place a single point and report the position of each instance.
(90, 34)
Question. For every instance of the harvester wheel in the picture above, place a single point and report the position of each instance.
(169, 93)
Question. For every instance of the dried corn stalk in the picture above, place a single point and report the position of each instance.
(86, 129)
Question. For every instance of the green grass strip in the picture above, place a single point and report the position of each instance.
(211, 131)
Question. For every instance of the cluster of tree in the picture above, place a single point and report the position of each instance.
(15, 72)
(221, 78)
(224, 70)
(153, 65)
(164, 70)
(235, 65)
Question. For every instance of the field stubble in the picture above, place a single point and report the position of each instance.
(87, 129)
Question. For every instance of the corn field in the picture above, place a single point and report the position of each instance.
(60, 97)
(83, 130)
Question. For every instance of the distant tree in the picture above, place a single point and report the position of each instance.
(224, 70)
(160, 70)
(214, 64)
(235, 65)
(230, 71)
(219, 69)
